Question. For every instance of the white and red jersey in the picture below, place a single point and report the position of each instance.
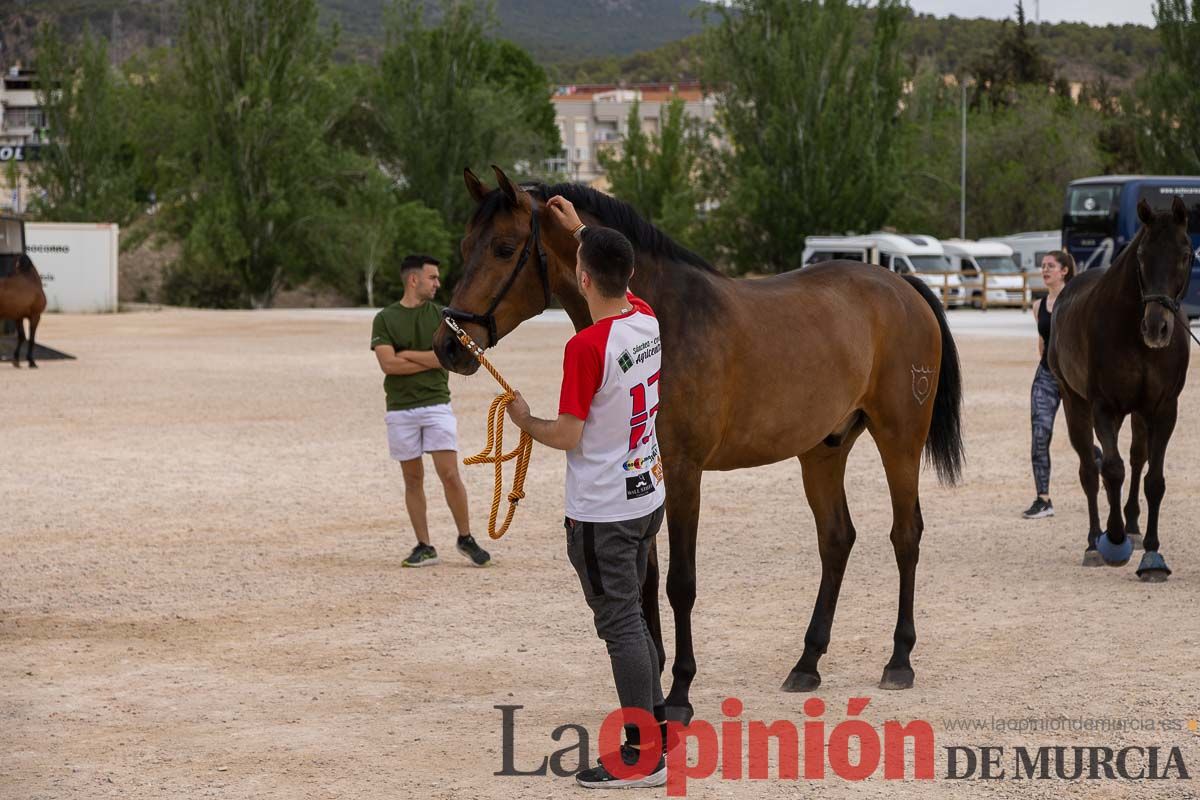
(610, 381)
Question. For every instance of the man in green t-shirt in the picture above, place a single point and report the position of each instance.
(419, 417)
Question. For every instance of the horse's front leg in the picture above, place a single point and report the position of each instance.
(1153, 568)
(683, 518)
(1114, 546)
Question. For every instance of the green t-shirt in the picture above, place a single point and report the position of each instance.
(411, 329)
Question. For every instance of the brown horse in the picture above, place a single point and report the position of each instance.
(22, 298)
(753, 372)
(1119, 347)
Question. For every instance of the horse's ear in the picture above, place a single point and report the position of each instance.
(1179, 210)
(508, 187)
(1145, 212)
(475, 187)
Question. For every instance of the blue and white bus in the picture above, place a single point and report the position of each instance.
(1100, 219)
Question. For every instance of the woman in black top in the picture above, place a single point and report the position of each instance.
(1058, 267)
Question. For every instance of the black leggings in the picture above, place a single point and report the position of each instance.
(1043, 406)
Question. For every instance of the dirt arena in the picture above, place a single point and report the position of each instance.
(201, 592)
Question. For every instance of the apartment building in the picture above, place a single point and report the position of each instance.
(593, 119)
(22, 132)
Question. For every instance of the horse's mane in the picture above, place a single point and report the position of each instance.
(613, 213)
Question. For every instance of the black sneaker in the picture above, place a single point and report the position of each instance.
(1040, 508)
(599, 778)
(423, 555)
(476, 554)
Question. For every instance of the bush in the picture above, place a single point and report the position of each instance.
(188, 283)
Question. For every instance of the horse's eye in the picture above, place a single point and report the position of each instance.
(504, 251)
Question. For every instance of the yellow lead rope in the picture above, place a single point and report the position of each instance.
(494, 452)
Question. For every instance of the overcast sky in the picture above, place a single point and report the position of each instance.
(1093, 12)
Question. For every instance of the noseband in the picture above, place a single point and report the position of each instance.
(1164, 300)
(488, 318)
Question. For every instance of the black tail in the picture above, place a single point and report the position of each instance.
(944, 446)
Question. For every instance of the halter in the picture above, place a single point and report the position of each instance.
(488, 318)
(1163, 300)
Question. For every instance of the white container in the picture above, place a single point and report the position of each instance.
(78, 264)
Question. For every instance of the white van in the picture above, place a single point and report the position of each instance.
(1028, 249)
(974, 260)
(916, 254)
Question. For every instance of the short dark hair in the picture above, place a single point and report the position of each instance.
(608, 258)
(416, 261)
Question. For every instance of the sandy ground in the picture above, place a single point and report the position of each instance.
(201, 592)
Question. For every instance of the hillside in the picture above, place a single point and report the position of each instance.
(550, 29)
(594, 41)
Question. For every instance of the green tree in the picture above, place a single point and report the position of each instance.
(810, 120)
(657, 174)
(87, 172)
(253, 184)
(380, 230)
(1020, 158)
(1169, 141)
(448, 96)
(1015, 61)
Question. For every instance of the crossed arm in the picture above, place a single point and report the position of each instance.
(406, 362)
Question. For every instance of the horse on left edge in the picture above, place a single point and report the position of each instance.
(22, 298)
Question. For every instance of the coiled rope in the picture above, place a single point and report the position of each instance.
(494, 452)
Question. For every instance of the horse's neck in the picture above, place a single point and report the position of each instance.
(668, 287)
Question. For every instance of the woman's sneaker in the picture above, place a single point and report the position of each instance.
(1040, 508)
(474, 553)
(599, 778)
(423, 555)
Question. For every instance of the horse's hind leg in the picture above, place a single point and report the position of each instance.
(901, 456)
(824, 470)
(33, 325)
(16, 357)
(1079, 429)
(1153, 569)
(1137, 460)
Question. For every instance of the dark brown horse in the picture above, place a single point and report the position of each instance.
(22, 298)
(1119, 347)
(753, 372)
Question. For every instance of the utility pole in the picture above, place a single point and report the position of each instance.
(962, 200)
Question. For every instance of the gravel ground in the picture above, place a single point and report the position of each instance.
(201, 592)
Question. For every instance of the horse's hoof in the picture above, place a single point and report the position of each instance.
(897, 678)
(1134, 535)
(680, 714)
(1091, 558)
(32, 365)
(1114, 555)
(801, 682)
(1153, 568)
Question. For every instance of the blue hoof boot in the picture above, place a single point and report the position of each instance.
(1153, 568)
(1115, 555)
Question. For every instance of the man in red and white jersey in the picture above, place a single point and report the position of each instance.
(615, 492)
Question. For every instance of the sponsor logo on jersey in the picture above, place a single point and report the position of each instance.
(638, 486)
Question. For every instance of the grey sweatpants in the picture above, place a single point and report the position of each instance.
(611, 559)
(1043, 406)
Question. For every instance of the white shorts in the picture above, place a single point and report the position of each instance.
(414, 431)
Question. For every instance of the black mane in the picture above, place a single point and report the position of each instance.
(612, 212)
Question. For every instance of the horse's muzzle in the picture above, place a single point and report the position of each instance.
(1158, 325)
(451, 353)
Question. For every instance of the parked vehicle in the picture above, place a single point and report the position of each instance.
(1100, 219)
(1028, 249)
(914, 254)
(974, 260)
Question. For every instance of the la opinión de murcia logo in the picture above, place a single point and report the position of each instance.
(816, 750)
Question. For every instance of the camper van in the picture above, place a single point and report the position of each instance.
(974, 260)
(920, 255)
(1028, 249)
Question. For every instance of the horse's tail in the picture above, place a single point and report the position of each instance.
(25, 265)
(944, 445)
